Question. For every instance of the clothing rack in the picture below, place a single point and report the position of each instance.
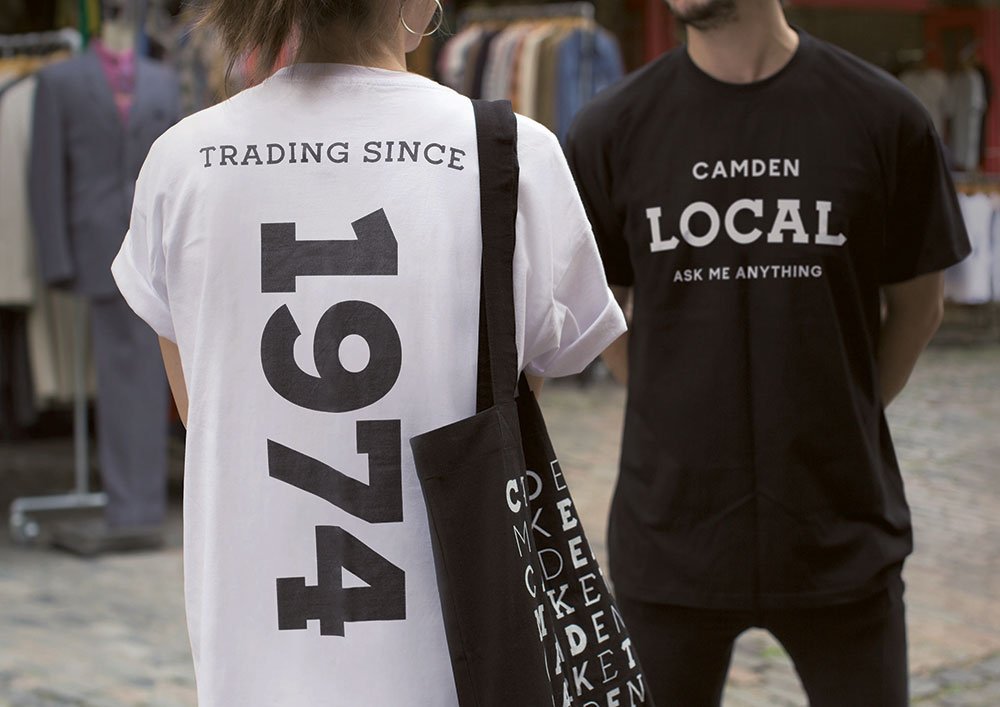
(22, 527)
(32, 42)
(973, 322)
(977, 182)
(511, 13)
(563, 10)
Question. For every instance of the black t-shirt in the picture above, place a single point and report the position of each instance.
(756, 224)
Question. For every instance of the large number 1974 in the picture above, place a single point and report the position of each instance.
(283, 259)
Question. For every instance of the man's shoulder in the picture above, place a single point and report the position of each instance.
(866, 87)
(613, 107)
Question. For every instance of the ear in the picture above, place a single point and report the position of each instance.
(411, 41)
(418, 15)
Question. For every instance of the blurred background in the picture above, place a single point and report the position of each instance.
(90, 616)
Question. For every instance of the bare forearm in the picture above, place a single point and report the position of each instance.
(535, 383)
(913, 314)
(175, 375)
(901, 346)
(615, 357)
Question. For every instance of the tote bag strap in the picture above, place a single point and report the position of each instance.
(496, 134)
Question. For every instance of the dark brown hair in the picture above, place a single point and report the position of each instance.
(266, 26)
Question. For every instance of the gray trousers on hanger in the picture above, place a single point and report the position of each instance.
(131, 414)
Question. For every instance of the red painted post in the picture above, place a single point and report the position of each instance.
(659, 29)
(990, 56)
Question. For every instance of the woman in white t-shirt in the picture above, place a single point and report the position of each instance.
(323, 223)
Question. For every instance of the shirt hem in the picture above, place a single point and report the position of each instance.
(145, 304)
(749, 602)
(932, 266)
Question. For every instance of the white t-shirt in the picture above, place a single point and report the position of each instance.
(931, 87)
(971, 281)
(966, 105)
(323, 147)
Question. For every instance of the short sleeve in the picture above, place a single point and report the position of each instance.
(925, 231)
(590, 162)
(139, 268)
(568, 311)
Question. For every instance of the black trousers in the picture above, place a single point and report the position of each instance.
(848, 655)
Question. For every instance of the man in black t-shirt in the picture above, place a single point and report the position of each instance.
(758, 194)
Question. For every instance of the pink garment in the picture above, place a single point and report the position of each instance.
(119, 68)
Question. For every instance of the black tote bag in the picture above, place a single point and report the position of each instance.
(529, 619)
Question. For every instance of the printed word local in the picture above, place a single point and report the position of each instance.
(701, 223)
(372, 152)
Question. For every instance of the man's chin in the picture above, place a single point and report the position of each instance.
(703, 14)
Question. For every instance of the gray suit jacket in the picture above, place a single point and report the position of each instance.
(84, 163)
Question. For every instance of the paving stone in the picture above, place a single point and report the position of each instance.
(922, 687)
(990, 668)
(959, 678)
(111, 632)
(988, 695)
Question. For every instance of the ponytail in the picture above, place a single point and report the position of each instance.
(264, 27)
(252, 26)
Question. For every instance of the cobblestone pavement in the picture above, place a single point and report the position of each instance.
(110, 632)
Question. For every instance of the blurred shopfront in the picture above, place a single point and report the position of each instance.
(948, 52)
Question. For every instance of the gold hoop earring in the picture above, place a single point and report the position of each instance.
(440, 13)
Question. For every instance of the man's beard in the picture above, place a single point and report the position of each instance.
(706, 16)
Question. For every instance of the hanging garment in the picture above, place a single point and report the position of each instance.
(17, 399)
(971, 281)
(548, 78)
(196, 53)
(966, 106)
(507, 75)
(491, 67)
(548, 69)
(988, 89)
(527, 70)
(17, 267)
(930, 86)
(84, 162)
(995, 247)
(497, 77)
(51, 314)
(454, 57)
(52, 329)
(478, 58)
(83, 166)
(589, 60)
(8, 78)
(201, 63)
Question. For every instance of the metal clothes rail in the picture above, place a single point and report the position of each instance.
(23, 527)
(31, 42)
(553, 11)
(511, 13)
